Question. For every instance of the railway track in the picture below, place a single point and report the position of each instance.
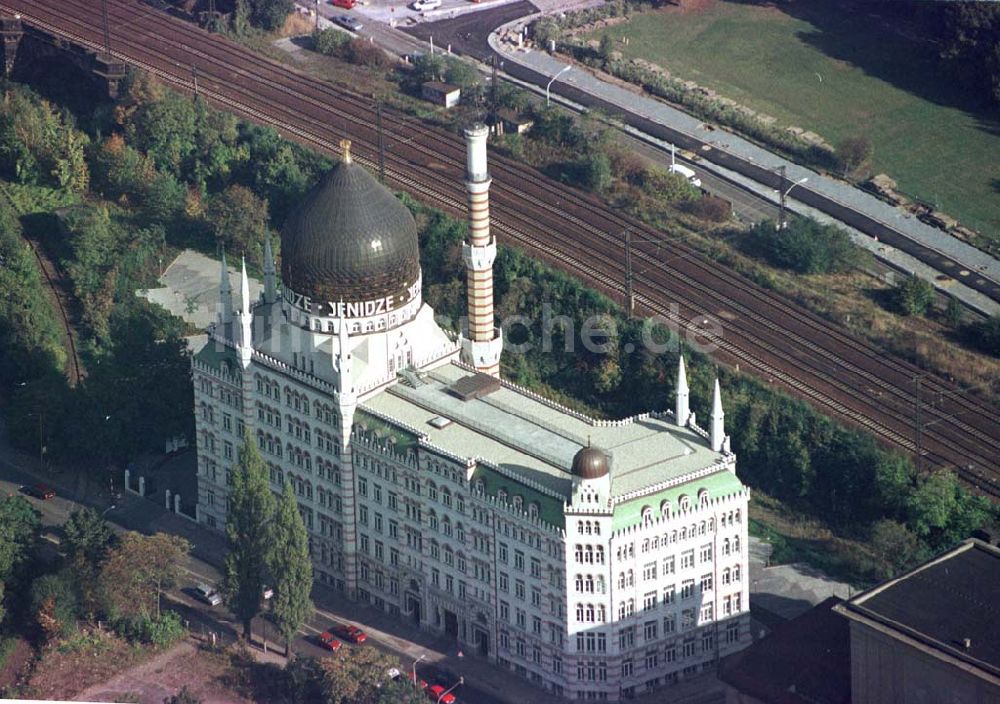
(74, 371)
(570, 229)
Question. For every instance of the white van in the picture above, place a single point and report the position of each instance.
(686, 172)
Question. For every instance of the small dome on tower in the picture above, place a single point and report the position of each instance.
(590, 463)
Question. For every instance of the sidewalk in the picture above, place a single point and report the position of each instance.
(645, 107)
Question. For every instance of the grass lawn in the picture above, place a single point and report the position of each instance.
(839, 73)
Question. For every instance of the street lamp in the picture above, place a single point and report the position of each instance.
(549, 84)
(461, 680)
(112, 507)
(784, 194)
(414, 668)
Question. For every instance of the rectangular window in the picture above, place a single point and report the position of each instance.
(504, 584)
(536, 568)
(502, 552)
(689, 648)
(705, 554)
(362, 486)
(628, 668)
(521, 618)
(707, 643)
(536, 625)
(668, 565)
(706, 582)
(669, 624)
(504, 611)
(706, 613)
(687, 559)
(393, 529)
(519, 560)
(649, 600)
(670, 655)
(649, 571)
(626, 638)
(733, 633)
(649, 630)
(519, 589)
(227, 450)
(536, 598)
(669, 593)
(687, 589)
(364, 544)
(363, 515)
(651, 660)
(378, 522)
(687, 619)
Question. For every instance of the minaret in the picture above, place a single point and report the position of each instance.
(225, 315)
(244, 336)
(484, 344)
(718, 431)
(683, 409)
(270, 275)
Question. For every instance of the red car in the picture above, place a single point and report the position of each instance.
(40, 491)
(418, 683)
(435, 692)
(346, 4)
(353, 634)
(326, 640)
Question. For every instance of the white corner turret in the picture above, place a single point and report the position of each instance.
(717, 434)
(225, 313)
(270, 274)
(683, 407)
(244, 337)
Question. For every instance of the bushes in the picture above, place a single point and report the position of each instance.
(162, 631)
(330, 42)
(805, 246)
(913, 295)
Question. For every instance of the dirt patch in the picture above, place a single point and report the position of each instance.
(68, 668)
(184, 665)
(685, 7)
(15, 663)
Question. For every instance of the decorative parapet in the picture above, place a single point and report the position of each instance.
(221, 374)
(530, 483)
(374, 445)
(524, 516)
(571, 510)
(722, 464)
(659, 521)
(441, 353)
(287, 369)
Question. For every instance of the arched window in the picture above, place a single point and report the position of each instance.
(446, 497)
(602, 614)
(480, 486)
(533, 510)
(736, 545)
(665, 508)
(647, 515)
(518, 503)
(502, 496)
(579, 612)
(684, 502)
(736, 573)
(446, 526)
(432, 492)
(725, 576)
(725, 546)
(579, 583)
(703, 498)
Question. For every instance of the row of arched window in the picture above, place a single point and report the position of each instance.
(591, 613)
(588, 527)
(590, 584)
(589, 554)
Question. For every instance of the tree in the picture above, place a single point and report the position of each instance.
(606, 46)
(330, 42)
(854, 154)
(805, 246)
(291, 566)
(54, 604)
(249, 533)
(913, 295)
(355, 676)
(270, 14)
(595, 171)
(428, 67)
(895, 547)
(137, 571)
(19, 525)
(239, 219)
(88, 536)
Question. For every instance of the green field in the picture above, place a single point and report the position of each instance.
(839, 73)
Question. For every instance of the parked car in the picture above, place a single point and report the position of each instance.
(208, 595)
(393, 673)
(421, 5)
(326, 640)
(39, 491)
(418, 683)
(346, 4)
(348, 22)
(436, 693)
(353, 634)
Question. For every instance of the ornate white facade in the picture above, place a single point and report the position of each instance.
(597, 559)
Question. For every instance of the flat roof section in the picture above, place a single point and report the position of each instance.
(537, 441)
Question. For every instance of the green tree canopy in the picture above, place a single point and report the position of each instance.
(249, 525)
(19, 526)
(88, 536)
(291, 566)
(240, 221)
(137, 571)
